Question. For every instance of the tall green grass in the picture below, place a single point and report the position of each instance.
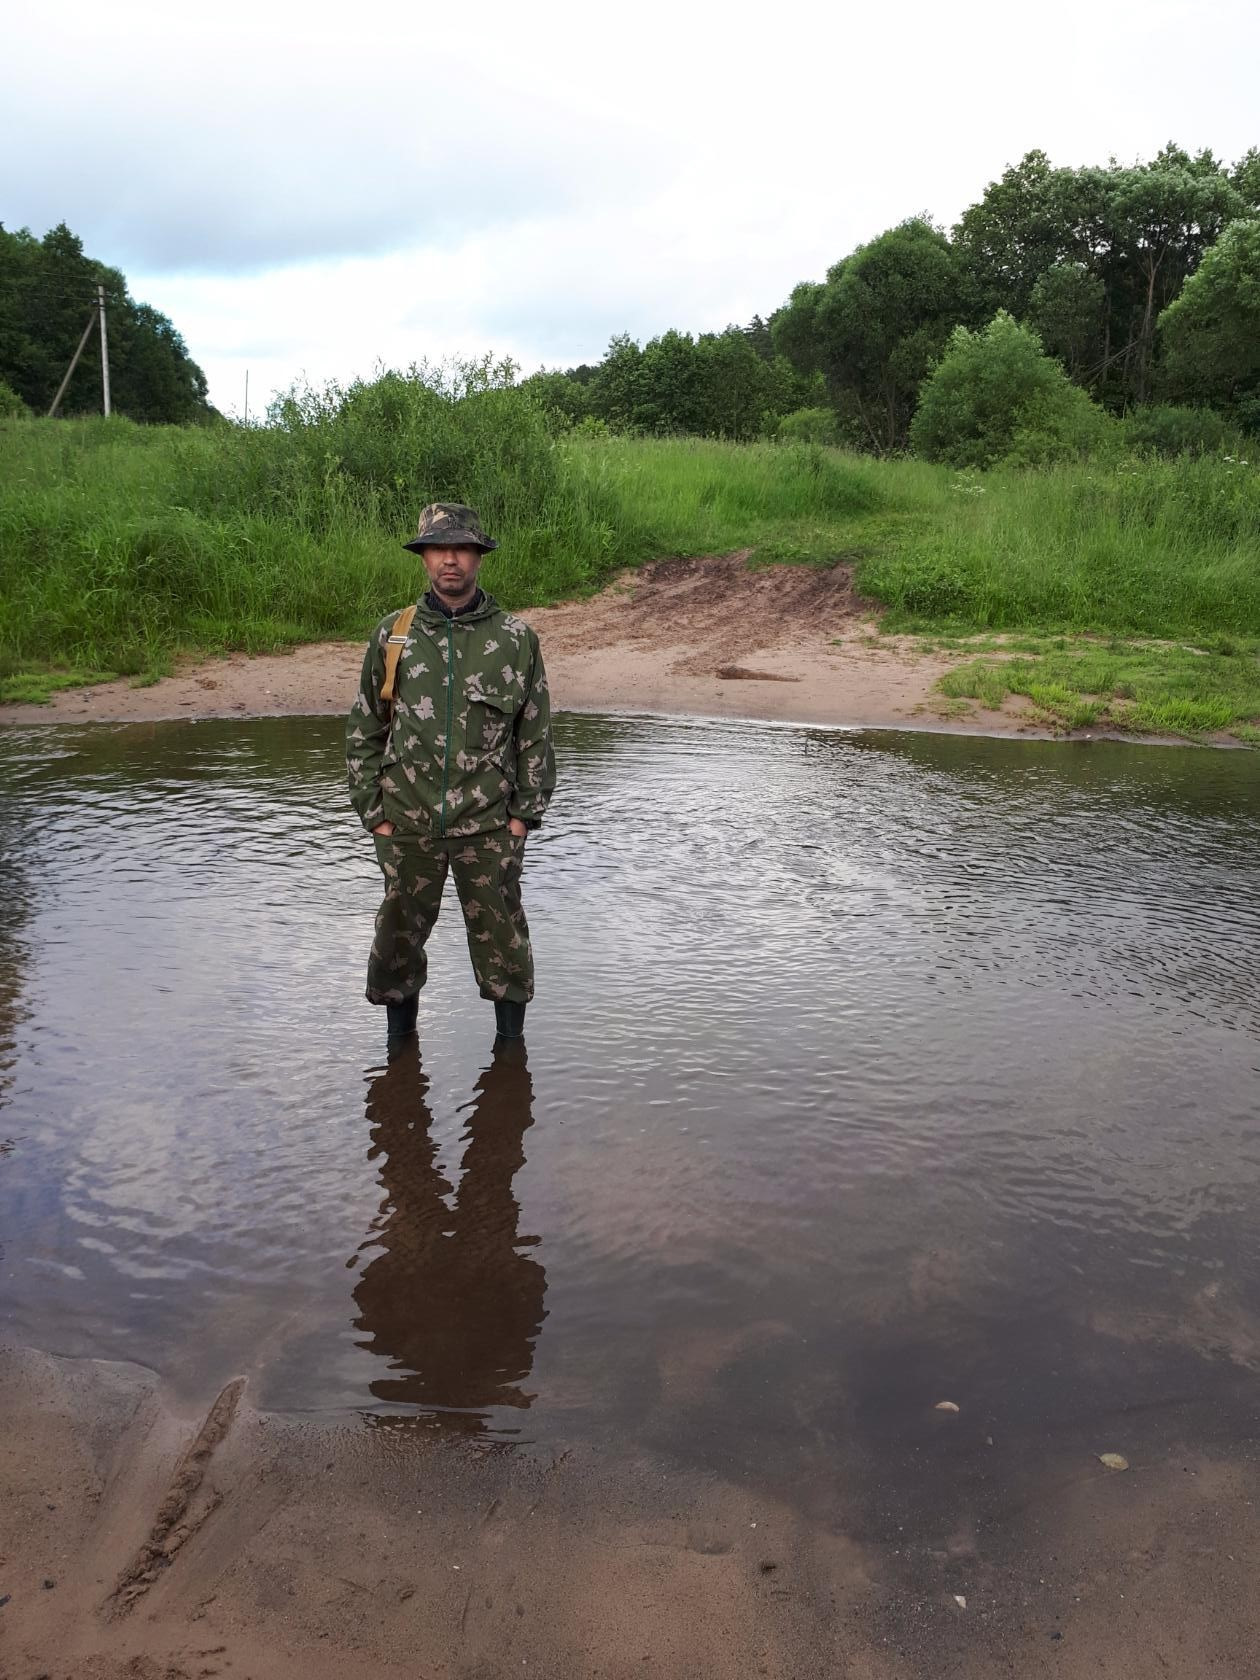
(121, 545)
(1156, 548)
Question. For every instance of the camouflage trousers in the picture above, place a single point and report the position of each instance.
(487, 870)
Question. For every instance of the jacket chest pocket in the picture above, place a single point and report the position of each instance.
(490, 719)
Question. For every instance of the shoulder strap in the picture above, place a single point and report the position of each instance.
(393, 651)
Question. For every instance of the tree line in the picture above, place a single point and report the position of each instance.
(1063, 297)
(732, 384)
(47, 293)
(1105, 270)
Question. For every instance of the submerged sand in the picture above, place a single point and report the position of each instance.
(141, 1543)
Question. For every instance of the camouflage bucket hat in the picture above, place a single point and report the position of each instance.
(449, 525)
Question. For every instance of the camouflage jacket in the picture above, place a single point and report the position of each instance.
(468, 744)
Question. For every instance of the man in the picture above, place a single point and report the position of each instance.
(448, 747)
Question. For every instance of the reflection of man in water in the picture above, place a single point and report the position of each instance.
(448, 1298)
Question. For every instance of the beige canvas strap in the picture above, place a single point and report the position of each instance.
(393, 651)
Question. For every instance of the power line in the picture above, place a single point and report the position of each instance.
(21, 276)
(60, 294)
(85, 291)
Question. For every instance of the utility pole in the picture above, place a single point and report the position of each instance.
(100, 303)
(247, 396)
(74, 362)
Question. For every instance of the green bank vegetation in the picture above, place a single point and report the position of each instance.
(122, 546)
(1156, 689)
(1045, 420)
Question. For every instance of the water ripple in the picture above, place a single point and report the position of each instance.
(829, 1026)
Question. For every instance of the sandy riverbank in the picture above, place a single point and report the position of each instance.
(706, 637)
(139, 1543)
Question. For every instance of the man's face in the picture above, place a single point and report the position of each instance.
(452, 572)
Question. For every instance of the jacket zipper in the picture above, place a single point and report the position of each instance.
(450, 700)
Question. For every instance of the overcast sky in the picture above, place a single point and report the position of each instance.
(308, 189)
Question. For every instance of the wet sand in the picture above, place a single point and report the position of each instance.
(141, 1543)
(704, 637)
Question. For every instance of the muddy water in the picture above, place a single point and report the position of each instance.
(866, 1072)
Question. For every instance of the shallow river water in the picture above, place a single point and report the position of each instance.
(867, 1071)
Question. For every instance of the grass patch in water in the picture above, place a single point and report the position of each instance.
(1157, 690)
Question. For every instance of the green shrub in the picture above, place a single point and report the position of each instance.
(996, 397)
(1169, 430)
(809, 425)
(11, 405)
(565, 401)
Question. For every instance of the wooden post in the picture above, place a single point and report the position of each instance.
(100, 303)
(74, 362)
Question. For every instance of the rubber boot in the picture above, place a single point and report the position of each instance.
(400, 1022)
(509, 1018)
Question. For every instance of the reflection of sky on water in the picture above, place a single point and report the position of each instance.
(834, 1033)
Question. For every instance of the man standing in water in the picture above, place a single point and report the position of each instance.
(448, 747)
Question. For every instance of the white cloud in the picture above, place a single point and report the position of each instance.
(307, 188)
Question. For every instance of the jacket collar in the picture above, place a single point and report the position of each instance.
(481, 606)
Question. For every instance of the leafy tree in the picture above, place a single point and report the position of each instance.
(1066, 307)
(1210, 333)
(615, 389)
(997, 397)
(1018, 230)
(1137, 232)
(562, 397)
(47, 294)
(47, 287)
(717, 385)
(876, 325)
(1245, 177)
(1167, 213)
(758, 334)
(743, 391)
(671, 393)
(153, 377)
(794, 328)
